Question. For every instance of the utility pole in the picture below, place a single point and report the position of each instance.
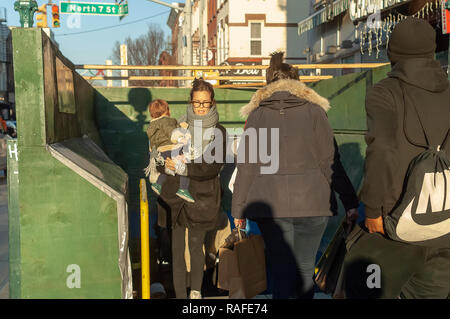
(201, 8)
(187, 10)
(109, 83)
(124, 61)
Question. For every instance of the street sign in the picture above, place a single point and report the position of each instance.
(246, 72)
(93, 8)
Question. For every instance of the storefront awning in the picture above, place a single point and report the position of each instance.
(324, 15)
(359, 10)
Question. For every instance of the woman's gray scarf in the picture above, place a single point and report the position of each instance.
(200, 123)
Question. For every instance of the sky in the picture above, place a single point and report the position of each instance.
(96, 47)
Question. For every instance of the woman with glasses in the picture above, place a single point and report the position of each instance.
(203, 215)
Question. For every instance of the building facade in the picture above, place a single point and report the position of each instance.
(243, 31)
(250, 30)
(212, 31)
(357, 31)
(166, 58)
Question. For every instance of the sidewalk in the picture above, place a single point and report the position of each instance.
(4, 277)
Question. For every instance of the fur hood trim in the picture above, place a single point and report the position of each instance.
(294, 87)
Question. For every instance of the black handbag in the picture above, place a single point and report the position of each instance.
(328, 269)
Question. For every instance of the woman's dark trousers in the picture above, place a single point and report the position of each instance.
(196, 240)
(291, 248)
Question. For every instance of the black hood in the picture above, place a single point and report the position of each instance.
(424, 73)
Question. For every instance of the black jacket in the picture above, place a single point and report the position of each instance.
(309, 164)
(204, 187)
(388, 152)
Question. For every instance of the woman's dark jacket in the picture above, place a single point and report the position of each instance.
(205, 189)
(309, 163)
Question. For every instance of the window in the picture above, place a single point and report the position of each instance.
(220, 42)
(227, 39)
(223, 40)
(322, 45)
(255, 38)
(338, 33)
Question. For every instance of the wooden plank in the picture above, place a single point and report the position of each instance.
(225, 78)
(141, 77)
(224, 67)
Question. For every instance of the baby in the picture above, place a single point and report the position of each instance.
(164, 134)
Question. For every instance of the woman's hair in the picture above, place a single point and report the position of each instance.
(158, 108)
(202, 85)
(279, 70)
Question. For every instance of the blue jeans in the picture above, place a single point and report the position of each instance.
(291, 248)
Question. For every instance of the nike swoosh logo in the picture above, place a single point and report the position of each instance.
(408, 230)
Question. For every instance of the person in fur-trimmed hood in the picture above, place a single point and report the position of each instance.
(292, 205)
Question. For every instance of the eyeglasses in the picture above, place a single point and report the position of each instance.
(199, 104)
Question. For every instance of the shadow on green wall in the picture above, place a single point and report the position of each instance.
(366, 76)
(126, 143)
(353, 163)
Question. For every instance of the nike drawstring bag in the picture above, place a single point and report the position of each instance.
(422, 215)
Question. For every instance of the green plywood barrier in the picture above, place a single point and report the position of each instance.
(347, 98)
(69, 223)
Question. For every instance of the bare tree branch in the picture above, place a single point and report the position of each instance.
(143, 50)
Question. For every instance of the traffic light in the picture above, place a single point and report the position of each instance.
(42, 16)
(55, 16)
